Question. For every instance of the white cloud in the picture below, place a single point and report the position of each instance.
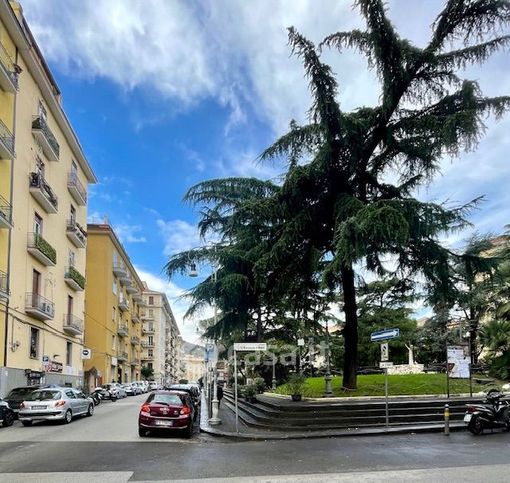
(129, 233)
(179, 235)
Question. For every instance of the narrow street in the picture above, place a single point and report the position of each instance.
(106, 447)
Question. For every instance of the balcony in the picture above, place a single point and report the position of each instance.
(124, 305)
(137, 297)
(43, 193)
(5, 213)
(123, 330)
(39, 307)
(122, 356)
(74, 279)
(147, 315)
(146, 344)
(147, 330)
(39, 248)
(134, 362)
(135, 340)
(125, 279)
(135, 318)
(73, 325)
(147, 357)
(131, 289)
(77, 190)
(4, 286)
(119, 269)
(6, 142)
(76, 233)
(8, 72)
(45, 137)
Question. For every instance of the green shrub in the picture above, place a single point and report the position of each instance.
(76, 276)
(260, 385)
(249, 392)
(296, 384)
(42, 245)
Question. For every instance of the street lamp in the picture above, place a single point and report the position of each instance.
(327, 377)
(273, 381)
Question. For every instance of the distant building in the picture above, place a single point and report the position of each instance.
(193, 358)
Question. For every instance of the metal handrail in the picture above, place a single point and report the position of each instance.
(9, 66)
(7, 137)
(39, 123)
(73, 225)
(36, 301)
(4, 283)
(37, 181)
(74, 322)
(72, 180)
(6, 210)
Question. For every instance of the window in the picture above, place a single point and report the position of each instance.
(36, 283)
(74, 170)
(114, 286)
(69, 354)
(38, 224)
(70, 394)
(41, 110)
(151, 300)
(39, 166)
(34, 343)
(72, 215)
(149, 365)
(115, 258)
(150, 353)
(114, 345)
(151, 340)
(72, 258)
(151, 313)
(114, 314)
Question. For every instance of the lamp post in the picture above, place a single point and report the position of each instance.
(273, 381)
(327, 377)
(215, 419)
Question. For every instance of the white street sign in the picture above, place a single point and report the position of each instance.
(250, 346)
(301, 342)
(384, 335)
(385, 365)
(385, 352)
(86, 353)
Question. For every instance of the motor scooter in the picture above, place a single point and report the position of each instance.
(96, 397)
(106, 394)
(494, 413)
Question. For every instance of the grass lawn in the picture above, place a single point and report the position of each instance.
(409, 384)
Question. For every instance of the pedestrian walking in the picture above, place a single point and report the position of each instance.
(219, 394)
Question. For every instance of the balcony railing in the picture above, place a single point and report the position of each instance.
(119, 269)
(74, 279)
(4, 286)
(122, 356)
(135, 318)
(8, 71)
(43, 134)
(134, 362)
(147, 344)
(135, 340)
(123, 330)
(6, 142)
(124, 304)
(41, 249)
(148, 330)
(43, 193)
(39, 307)
(131, 289)
(148, 357)
(76, 189)
(5, 213)
(76, 233)
(73, 325)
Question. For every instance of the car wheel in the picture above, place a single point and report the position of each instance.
(90, 411)
(68, 416)
(114, 399)
(8, 419)
(188, 432)
(26, 423)
(142, 432)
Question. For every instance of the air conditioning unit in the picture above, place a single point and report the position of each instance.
(47, 308)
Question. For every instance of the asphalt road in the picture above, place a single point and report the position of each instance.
(107, 448)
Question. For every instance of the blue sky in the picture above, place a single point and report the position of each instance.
(166, 93)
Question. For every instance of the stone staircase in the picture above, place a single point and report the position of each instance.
(275, 414)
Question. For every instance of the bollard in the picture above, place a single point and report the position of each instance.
(447, 420)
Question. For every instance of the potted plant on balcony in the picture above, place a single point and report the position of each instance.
(296, 386)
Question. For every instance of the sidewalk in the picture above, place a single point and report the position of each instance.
(227, 428)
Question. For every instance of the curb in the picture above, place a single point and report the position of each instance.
(205, 428)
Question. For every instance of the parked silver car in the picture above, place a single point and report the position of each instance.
(52, 404)
(129, 389)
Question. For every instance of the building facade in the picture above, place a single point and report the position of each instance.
(193, 362)
(160, 337)
(112, 310)
(44, 177)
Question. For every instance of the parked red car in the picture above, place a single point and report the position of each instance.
(167, 410)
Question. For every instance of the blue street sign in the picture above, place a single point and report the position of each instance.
(384, 335)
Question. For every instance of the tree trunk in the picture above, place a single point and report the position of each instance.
(350, 331)
(259, 325)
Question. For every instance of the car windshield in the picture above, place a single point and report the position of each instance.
(44, 395)
(20, 392)
(170, 399)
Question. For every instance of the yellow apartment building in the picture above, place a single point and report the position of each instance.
(160, 337)
(44, 177)
(112, 310)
